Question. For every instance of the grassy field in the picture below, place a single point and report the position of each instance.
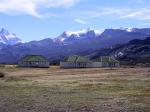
(74, 90)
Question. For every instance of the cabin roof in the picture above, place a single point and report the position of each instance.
(34, 58)
(105, 59)
(76, 58)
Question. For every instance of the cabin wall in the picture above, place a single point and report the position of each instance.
(113, 64)
(96, 64)
(75, 65)
(80, 65)
(105, 64)
(88, 65)
(34, 64)
(117, 64)
(66, 65)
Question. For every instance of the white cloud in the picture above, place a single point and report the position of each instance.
(98, 13)
(117, 13)
(35, 8)
(145, 24)
(140, 14)
(31, 7)
(80, 21)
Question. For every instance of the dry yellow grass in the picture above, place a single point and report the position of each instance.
(75, 90)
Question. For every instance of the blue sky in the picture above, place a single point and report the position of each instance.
(39, 19)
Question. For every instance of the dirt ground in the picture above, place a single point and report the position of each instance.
(75, 90)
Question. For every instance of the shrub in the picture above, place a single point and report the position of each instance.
(2, 75)
(2, 65)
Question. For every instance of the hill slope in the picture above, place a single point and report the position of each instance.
(136, 51)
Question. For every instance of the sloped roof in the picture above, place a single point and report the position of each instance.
(105, 59)
(72, 58)
(76, 58)
(34, 58)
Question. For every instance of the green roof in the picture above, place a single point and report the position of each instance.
(76, 58)
(72, 58)
(105, 59)
(34, 58)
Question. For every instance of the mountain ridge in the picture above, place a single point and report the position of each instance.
(86, 41)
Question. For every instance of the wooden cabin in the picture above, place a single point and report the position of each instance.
(75, 62)
(83, 62)
(34, 61)
(105, 61)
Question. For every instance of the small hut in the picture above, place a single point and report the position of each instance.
(34, 61)
(105, 61)
(83, 62)
(76, 62)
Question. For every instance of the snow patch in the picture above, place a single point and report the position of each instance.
(78, 33)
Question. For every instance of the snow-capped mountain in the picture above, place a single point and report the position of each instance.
(84, 32)
(8, 38)
(125, 29)
(69, 36)
(114, 35)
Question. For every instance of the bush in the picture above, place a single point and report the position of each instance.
(2, 75)
(2, 65)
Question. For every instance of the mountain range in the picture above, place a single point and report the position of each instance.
(83, 42)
